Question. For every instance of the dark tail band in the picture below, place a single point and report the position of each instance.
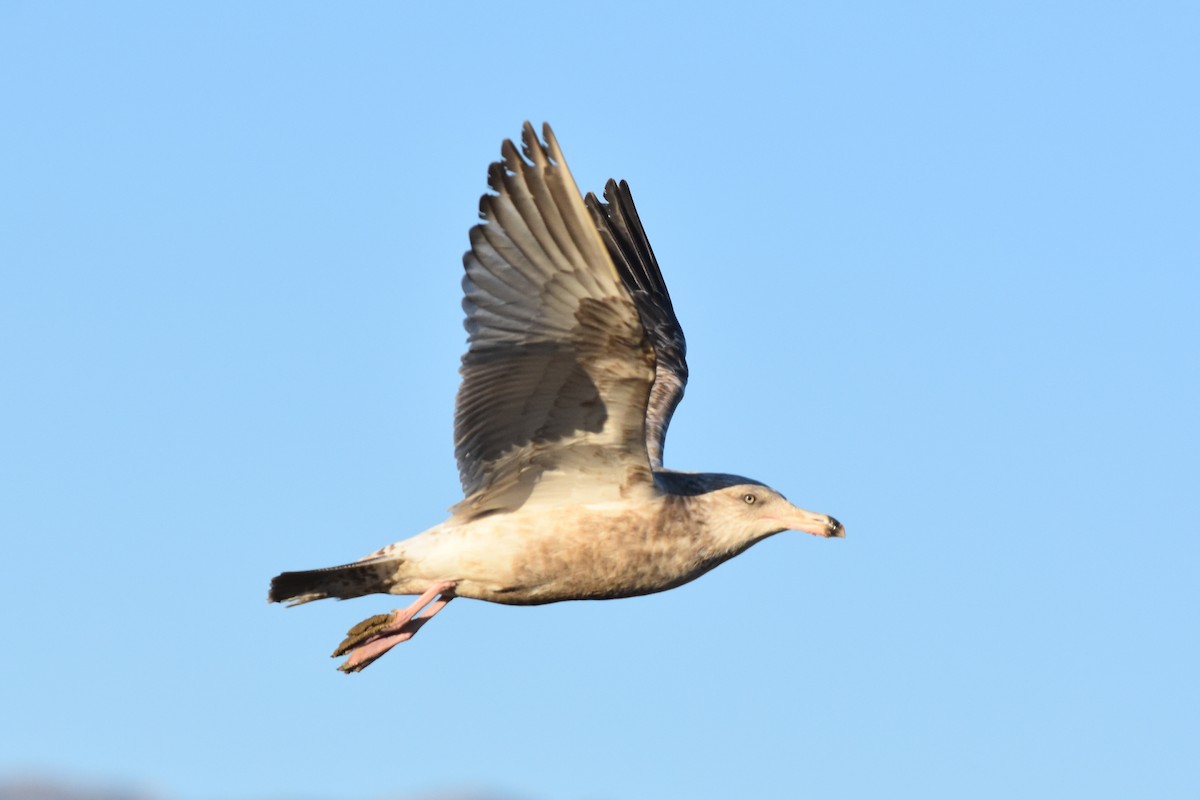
(342, 582)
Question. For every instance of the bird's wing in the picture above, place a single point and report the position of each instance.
(621, 229)
(558, 369)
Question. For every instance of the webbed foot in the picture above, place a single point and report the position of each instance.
(374, 636)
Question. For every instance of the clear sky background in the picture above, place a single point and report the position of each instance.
(939, 269)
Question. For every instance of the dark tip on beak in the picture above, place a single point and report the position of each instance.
(835, 530)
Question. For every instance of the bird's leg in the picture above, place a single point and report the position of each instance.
(373, 637)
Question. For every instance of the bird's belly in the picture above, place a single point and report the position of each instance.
(588, 557)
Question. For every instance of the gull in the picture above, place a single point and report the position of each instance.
(574, 366)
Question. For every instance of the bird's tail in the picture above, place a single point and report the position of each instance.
(343, 582)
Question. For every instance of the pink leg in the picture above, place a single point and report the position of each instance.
(371, 638)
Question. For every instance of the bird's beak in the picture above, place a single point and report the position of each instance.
(816, 524)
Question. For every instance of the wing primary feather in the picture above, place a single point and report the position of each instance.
(623, 235)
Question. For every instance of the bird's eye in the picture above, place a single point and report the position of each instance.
(749, 498)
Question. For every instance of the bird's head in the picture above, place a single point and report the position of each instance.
(749, 511)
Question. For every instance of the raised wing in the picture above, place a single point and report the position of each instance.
(558, 369)
(621, 229)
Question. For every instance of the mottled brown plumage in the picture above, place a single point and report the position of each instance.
(575, 364)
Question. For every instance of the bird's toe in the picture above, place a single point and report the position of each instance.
(363, 632)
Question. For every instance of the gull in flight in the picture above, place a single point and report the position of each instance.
(575, 364)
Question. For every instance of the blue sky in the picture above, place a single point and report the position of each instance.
(938, 268)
